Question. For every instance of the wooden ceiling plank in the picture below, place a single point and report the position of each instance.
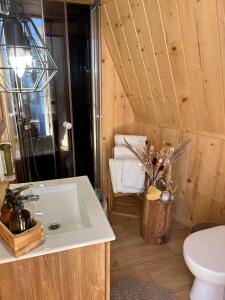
(145, 42)
(125, 56)
(160, 50)
(120, 107)
(211, 63)
(85, 2)
(107, 109)
(174, 43)
(110, 41)
(109, 38)
(137, 60)
(188, 24)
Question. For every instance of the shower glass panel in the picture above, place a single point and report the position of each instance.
(44, 148)
(35, 137)
(59, 97)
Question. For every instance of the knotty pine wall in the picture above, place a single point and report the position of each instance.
(170, 58)
(117, 114)
(199, 174)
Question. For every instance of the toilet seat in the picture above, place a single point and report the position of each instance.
(204, 253)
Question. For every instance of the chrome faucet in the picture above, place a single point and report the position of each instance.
(16, 193)
(19, 189)
(30, 197)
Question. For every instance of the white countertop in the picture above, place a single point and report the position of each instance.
(99, 230)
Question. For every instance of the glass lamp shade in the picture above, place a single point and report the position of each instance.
(18, 60)
(26, 64)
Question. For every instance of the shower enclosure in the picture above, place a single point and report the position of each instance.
(56, 133)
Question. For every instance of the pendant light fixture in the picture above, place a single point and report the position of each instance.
(26, 64)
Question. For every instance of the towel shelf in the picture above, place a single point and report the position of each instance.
(111, 201)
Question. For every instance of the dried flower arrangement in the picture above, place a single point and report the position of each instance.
(157, 164)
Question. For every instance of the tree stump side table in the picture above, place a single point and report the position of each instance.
(157, 221)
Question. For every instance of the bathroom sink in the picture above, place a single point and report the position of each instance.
(60, 207)
(71, 214)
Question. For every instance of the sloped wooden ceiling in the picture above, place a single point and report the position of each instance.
(170, 57)
(34, 7)
(81, 1)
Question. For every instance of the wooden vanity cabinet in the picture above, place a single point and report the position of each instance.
(75, 274)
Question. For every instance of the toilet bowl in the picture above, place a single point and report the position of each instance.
(204, 254)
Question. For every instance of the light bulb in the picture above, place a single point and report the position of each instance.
(18, 60)
(29, 58)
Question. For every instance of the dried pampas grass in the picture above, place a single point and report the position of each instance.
(157, 164)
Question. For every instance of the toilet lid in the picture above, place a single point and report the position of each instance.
(207, 248)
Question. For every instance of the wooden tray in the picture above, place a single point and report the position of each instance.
(24, 242)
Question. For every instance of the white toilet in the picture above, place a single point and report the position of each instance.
(204, 254)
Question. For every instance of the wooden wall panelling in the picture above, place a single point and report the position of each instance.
(217, 203)
(118, 116)
(221, 26)
(157, 134)
(191, 180)
(152, 132)
(169, 135)
(199, 174)
(206, 180)
(146, 129)
(200, 179)
(174, 53)
(180, 168)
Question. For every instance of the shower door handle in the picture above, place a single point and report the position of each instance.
(67, 125)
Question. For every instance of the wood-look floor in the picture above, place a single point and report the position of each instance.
(133, 258)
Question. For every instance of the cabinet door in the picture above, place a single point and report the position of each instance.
(75, 274)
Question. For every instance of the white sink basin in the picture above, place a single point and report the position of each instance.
(61, 205)
(72, 204)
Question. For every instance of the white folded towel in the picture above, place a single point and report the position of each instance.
(121, 152)
(135, 140)
(133, 174)
(117, 176)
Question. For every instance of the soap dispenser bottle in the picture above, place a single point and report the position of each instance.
(16, 221)
(20, 219)
(27, 217)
